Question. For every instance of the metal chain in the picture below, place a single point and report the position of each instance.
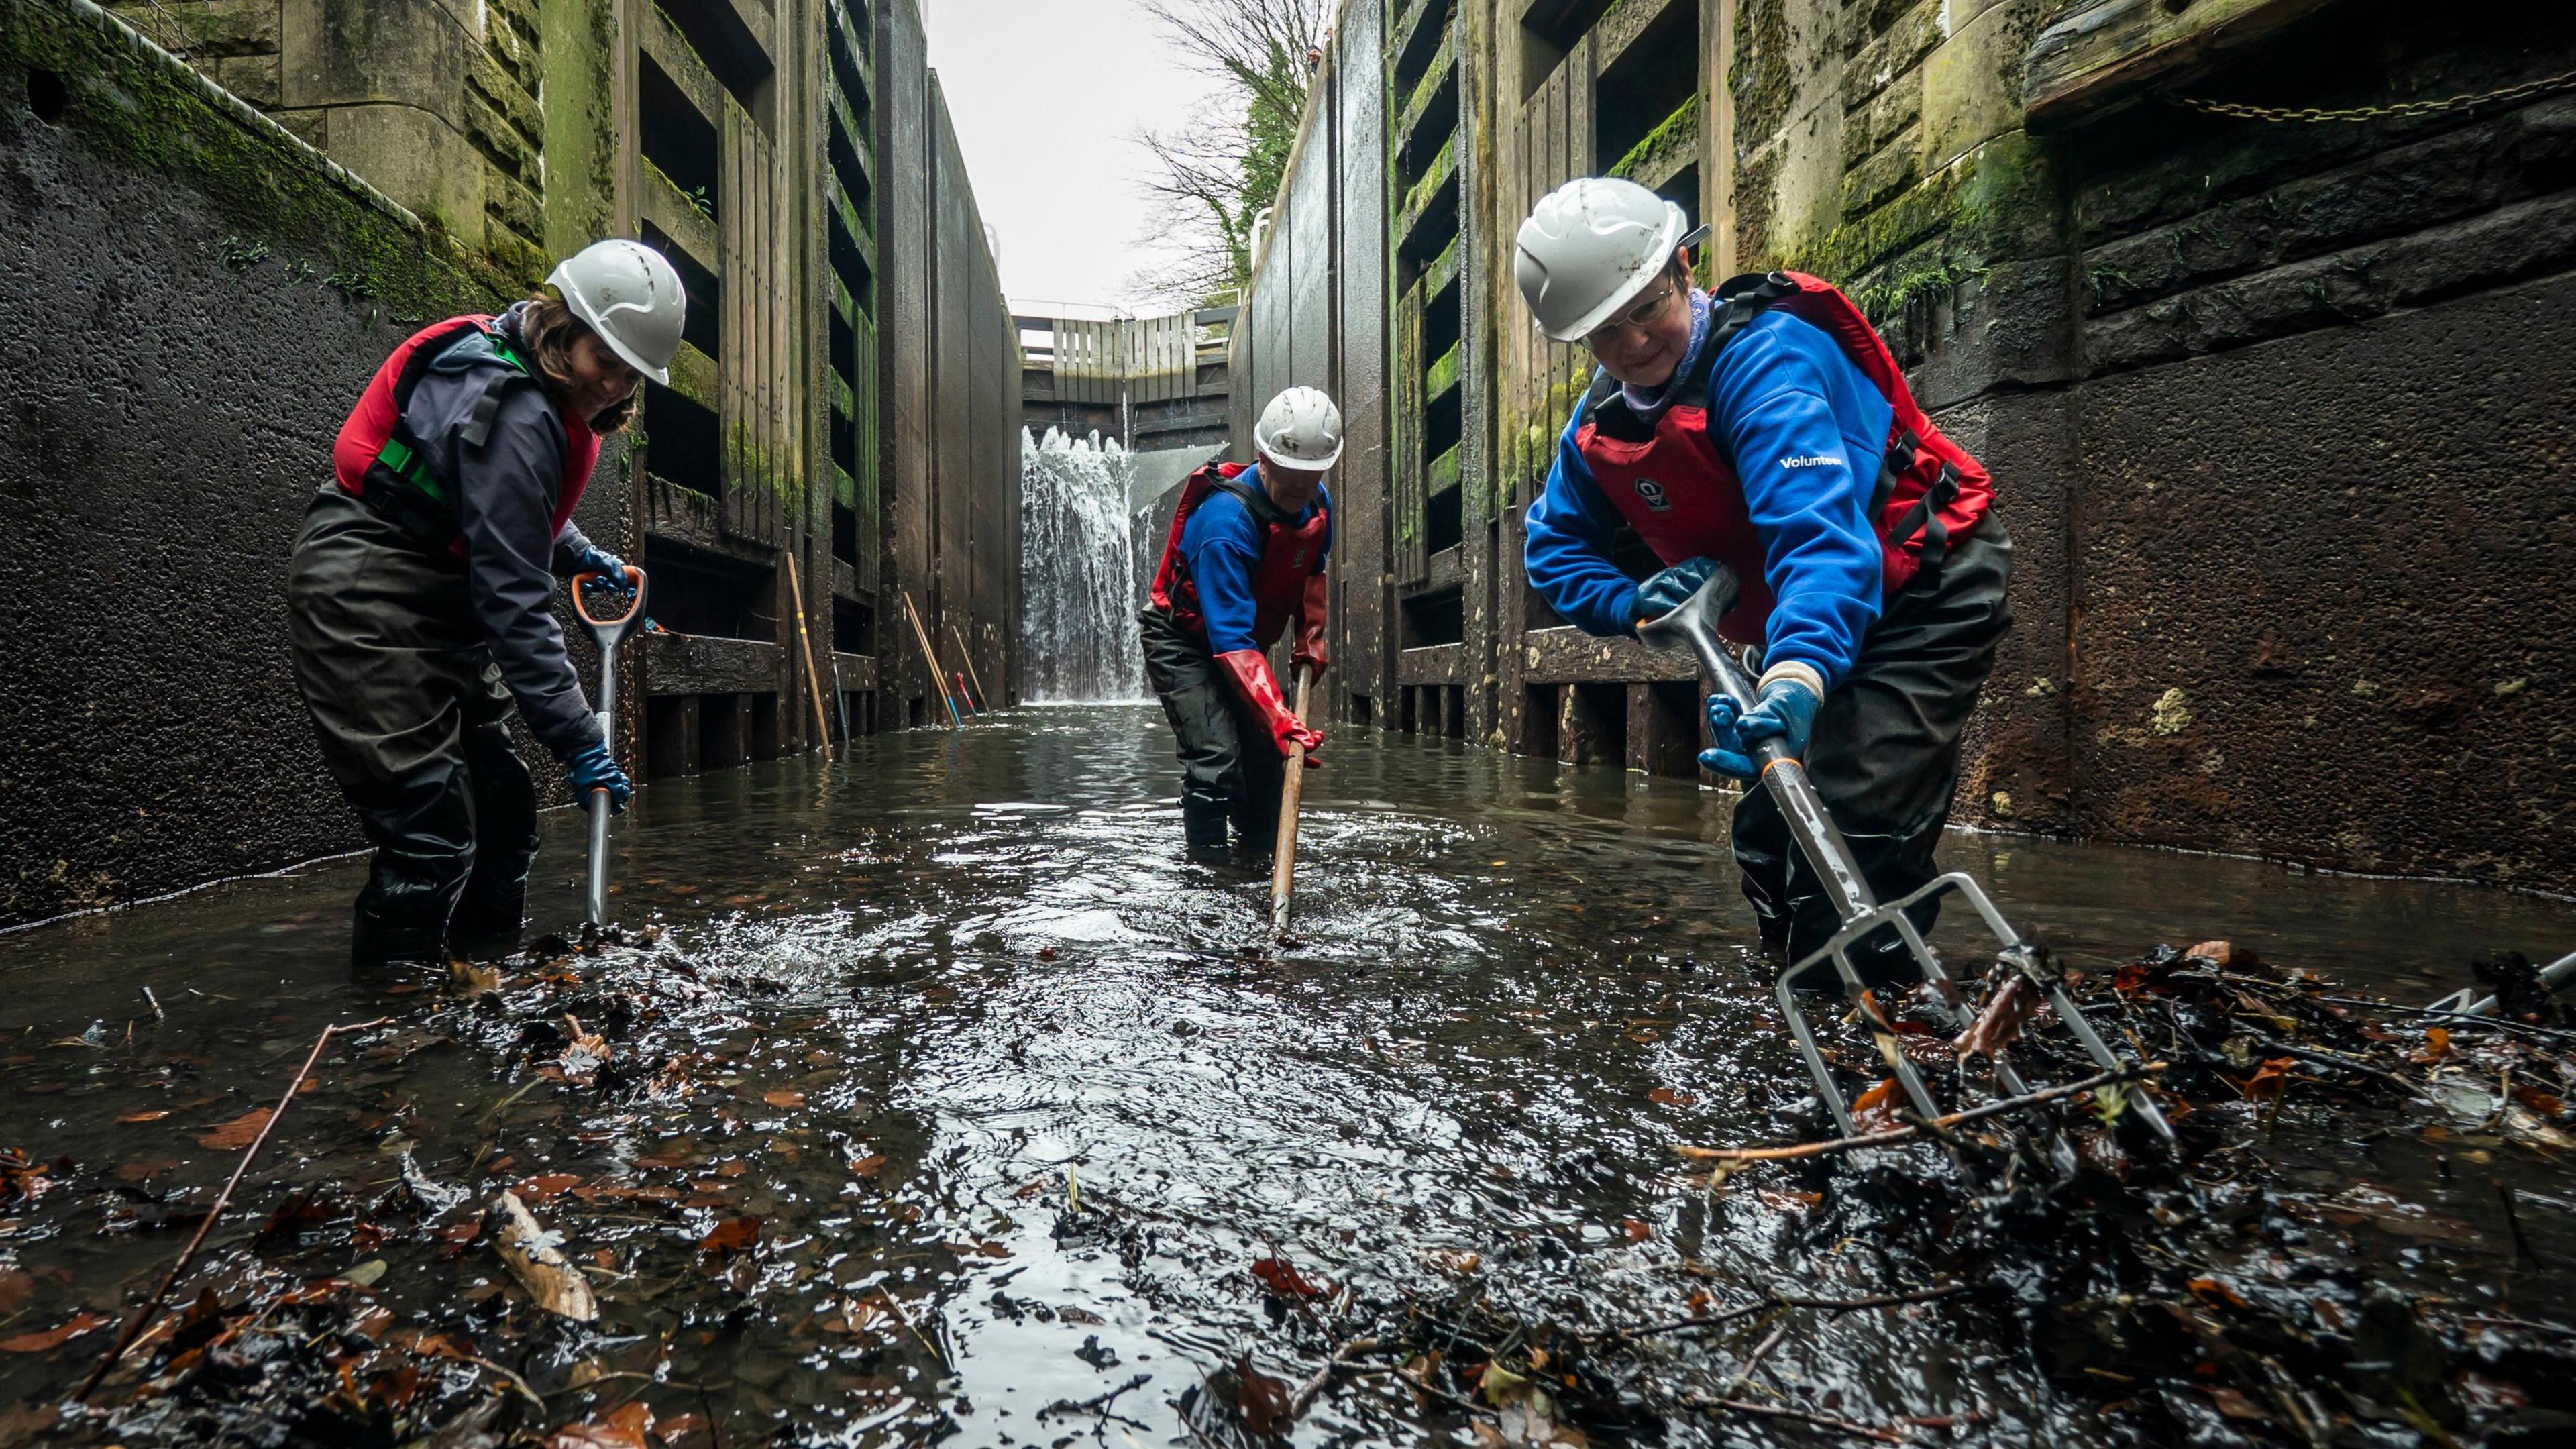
(2402, 110)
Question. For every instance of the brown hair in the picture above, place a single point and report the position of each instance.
(550, 330)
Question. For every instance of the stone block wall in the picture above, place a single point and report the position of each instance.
(441, 103)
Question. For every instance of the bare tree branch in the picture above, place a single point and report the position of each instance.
(1216, 172)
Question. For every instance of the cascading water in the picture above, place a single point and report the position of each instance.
(1078, 569)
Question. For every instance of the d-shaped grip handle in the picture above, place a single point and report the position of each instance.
(608, 631)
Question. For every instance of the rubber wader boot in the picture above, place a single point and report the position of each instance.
(1203, 826)
(378, 943)
(489, 921)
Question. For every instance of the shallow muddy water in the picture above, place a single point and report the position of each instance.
(1012, 1099)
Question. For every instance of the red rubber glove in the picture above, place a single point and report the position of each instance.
(1252, 676)
(1310, 653)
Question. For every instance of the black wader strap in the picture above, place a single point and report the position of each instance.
(1924, 517)
(1263, 510)
(478, 424)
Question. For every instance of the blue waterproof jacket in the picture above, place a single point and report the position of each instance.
(1805, 430)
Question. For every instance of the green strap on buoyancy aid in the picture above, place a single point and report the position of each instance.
(405, 462)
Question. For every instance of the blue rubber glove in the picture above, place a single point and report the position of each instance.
(1785, 708)
(1662, 593)
(595, 769)
(597, 560)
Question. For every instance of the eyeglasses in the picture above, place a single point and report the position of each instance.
(1638, 318)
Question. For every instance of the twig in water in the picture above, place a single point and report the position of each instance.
(223, 1200)
(516, 1382)
(905, 1319)
(2327, 1058)
(1744, 1376)
(1301, 1400)
(1099, 1403)
(2501, 1023)
(2513, 1221)
(1803, 1416)
(2557, 1329)
(1770, 1301)
(1895, 1135)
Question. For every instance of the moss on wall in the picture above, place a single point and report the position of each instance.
(579, 65)
(142, 111)
(1657, 154)
(1761, 82)
(1991, 205)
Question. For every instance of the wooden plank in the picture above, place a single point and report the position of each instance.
(1565, 655)
(2108, 50)
(670, 51)
(1431, 664)
(676, 664)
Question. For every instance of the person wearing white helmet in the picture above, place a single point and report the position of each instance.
(1245, 555)
(420, 596)
(1766, 427)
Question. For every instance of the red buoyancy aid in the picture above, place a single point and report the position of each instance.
(376, 461)
(1677, 488)
(1287, 556)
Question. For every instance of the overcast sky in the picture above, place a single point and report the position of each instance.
(1046, 94)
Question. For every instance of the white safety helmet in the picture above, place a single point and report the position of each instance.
(631, 297)
(1590, 247)
(1300, 429)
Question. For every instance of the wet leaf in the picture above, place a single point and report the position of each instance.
(470, 981)
(731, 1236)
(143, 1114)
(16, 1288)
(2437, 1045)
(2233, 1404)
(529, 1252)
(1282, 1278)
(2522, 1125)
(684, 1431)
(367, 1274)
(624, 1429)
(2539, 1101)
(2214, 1291)
(1263, 1399)
(543, 1190)
(1451, 1260)
(1875, 1109)
(236, 1134)
(2269, 1079)
(785, 1097)
(2000, 1024)
(1637, 1232)
(52, 1338)
(1667, 1097)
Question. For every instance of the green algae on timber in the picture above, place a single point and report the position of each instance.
(935, 1093)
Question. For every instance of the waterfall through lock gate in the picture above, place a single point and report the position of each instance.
(1077, 560)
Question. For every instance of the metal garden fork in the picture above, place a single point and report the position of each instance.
(1694, 626)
